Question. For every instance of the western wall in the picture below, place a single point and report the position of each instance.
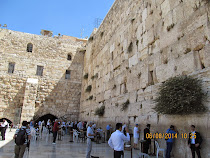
(139, 45)
(26, 94)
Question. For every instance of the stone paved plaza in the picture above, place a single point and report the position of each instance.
(63, 149)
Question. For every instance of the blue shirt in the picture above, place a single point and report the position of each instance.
(31, 124)
(171, 134)
(107, 127)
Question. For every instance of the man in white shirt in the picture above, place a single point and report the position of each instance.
(94, 126)
(79, 125)
(136, 132)
(90, 137)
(117, 139)
(3, 128)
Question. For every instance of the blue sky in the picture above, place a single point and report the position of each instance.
(67, 17)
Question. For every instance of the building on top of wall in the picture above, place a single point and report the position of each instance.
(39, 75)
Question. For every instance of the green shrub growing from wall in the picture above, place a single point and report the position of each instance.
(88, 89)
(125, 105)
(100, 111)
(86, 76)
(182, 95)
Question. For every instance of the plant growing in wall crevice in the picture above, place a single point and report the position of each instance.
(86, 76)
(182, 95)
(125, 105)
(89, 88)
(100, 111)
(91, 97)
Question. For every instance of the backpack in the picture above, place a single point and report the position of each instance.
(21, 137)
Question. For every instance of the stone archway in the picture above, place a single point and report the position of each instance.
(46, 117)
(9, 121)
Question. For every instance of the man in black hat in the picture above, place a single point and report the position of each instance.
(148, 140)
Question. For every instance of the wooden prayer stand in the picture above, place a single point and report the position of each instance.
(130, 148)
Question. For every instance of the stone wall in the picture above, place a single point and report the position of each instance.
(139, 45)
(53, 94)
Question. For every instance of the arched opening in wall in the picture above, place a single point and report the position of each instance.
(29, 47)
(46, 117)
(9, 121)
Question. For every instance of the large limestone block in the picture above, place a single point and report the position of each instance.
(207, 55)
(133, 60)
(165, 7)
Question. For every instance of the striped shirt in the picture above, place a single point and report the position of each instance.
(28, 132)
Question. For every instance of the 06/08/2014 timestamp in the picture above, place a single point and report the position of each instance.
(169, 136)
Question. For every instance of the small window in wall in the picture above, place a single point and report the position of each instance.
(29, 47)
(69, 57)
(68, 73)
(39, 70)
(11, 68)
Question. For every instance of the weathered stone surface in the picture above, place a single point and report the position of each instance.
(169, 38)
(53, 94)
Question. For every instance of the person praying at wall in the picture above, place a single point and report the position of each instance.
(148, 140)
(136, 132)
(169, 142)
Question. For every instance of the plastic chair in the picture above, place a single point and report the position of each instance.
(75, 134)
(159, 149)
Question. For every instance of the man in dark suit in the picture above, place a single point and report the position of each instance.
(148, 140)
(194, 142)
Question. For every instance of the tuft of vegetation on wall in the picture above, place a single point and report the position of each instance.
(86, 76)
(182, 95)
(100, 111)
(91, 97)
(125, 105)
(89, 88)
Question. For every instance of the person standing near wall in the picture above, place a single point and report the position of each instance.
(117, 139)
(136, 132)
(107, 132)
(22, 137)
(90, 137)
(55, 131)
(3, 129)
(169, 142)
(194, 142)
(148, 140)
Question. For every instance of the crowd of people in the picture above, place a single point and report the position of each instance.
(116, 137)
